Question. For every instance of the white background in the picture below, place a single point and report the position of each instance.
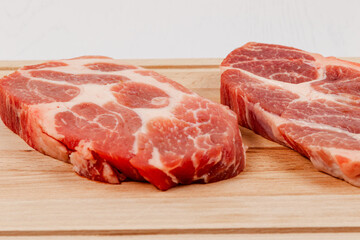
(51, 29)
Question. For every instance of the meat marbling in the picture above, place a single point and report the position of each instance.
(302, 100)
(114, 121)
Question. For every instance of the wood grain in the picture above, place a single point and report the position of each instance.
(177, 63)
(230, 236)
(187, 63)
(279, 195)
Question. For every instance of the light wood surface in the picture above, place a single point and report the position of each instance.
(279, 195)
(230, 236)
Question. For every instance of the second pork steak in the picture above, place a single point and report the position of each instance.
(302, 100)
(115, 122)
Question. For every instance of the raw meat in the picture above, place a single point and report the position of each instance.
(302, 100)
(114, 122)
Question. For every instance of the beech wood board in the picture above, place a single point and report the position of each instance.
(279, 195)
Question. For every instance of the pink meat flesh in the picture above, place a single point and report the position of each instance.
(302, 100)
(114, 121)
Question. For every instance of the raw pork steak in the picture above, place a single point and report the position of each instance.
(115, 122)
(302, 100)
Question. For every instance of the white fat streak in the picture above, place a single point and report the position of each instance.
(47, 118)
(156, 162)
(84, 147)
(303, 90)
(333, 167)
(93, 93)
(353, 154)
(324, 127)
(278, 121)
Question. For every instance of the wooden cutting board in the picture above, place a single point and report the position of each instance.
(279, 195)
